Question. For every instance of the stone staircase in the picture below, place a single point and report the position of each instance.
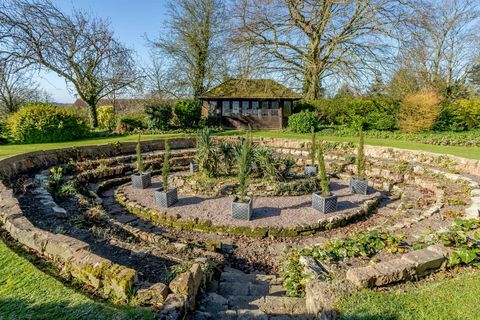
(248, 296)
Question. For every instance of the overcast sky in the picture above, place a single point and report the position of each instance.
(130, 20)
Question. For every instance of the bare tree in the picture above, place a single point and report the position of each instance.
(16, 88)
(443, 42)
(80, 47)
(313, 40)
(192, 42)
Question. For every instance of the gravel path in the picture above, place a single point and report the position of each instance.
(283, 212)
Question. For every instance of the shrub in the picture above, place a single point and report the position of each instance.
(419, 111)
(244, 162)
(38, 123)
(130, 123)
(303, 122)
(158, 116)
(460, 115)
(188, 113)
(107, 117)
(378, 113)
(360, 161)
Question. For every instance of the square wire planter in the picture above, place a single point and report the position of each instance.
(242, 210)
(165, 199)
(193, 167)
(141, 180)
(310, 170)
(358, 186)
(324, 204)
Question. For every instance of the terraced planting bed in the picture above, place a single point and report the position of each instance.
(115, 240)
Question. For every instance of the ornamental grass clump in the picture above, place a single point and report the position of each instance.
(166, 166)
(207, 153)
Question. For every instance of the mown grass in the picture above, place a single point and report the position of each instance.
(456, 298)
(28, 293)
(466, 152)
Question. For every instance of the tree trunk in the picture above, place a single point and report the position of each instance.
(312, 86)
(92, 110)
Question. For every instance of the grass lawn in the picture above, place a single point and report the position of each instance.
(28, 293)
(457, 298)
(466, 152)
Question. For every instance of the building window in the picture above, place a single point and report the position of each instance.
(264, 108)
(255, 105)
(287, 108)
(226, 108)
(212, 108)
(236, 107)
(274, 108)
(245, 107)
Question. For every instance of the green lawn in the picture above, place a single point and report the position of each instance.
(457, 298)
(29, 293)
(466, 152)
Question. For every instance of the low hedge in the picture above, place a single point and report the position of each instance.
(39, 123)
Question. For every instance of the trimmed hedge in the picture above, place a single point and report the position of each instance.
(38, 123)
(188, 113)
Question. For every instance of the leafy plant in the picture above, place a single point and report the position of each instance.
(291, 271)
(302, 122)
(188, 113)
(54, 180)
(244, 162)
(227, 152)
(322, 172)
(138, 149)
(207, 153)
(360, 161)
(419, 111)
(158, 116)
(166, 166)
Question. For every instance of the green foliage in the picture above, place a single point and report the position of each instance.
(322, 172)
(188, 113)
(107, 117)
(269, 166)
(244, 163)
(158, 116)
(419, 111)
(38, 123)
(131, 122)
(207, 155)
(366, 244)
(227, 152)
(460, 115)
(360, 160)
(302, 122)
(54, 180)
(166, 166)
(378, 113)
(138, 150)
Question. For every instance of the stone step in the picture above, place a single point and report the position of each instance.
(243, 289)
(271, 305)
(245, 278)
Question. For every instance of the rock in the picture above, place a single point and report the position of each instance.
(213, 303)
(310, 267)
(59, 211)
(173, 308)
(362, 277)
(62, 247)
(392, 271)
(153, 294)
(180, 246)
(182, 284)
(425, 260)
(119, 282)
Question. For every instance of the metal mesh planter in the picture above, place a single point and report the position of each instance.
(165, 199)
(358, 186)
(242, 210)
(324, 204)
(310, 171)
(141, 180)
(193, 167)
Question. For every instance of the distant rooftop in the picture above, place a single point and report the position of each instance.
(251, 89)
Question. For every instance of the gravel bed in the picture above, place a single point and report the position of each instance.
(282, 212)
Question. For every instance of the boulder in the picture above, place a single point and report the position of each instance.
(173, 308)
(391, 271)
(153, 294)
(425, 260)
(362, 277)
